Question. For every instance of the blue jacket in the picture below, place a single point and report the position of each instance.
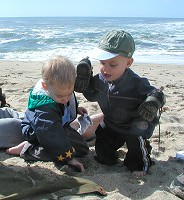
(119, 100)
(45, 124)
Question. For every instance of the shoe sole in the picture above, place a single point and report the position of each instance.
(83, 71)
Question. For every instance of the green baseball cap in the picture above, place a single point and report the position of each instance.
(115, 43)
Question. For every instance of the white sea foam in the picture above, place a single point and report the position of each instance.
(8, 41)
(157, 40)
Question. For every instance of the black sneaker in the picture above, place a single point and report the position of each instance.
(154, 102)
(84, 72)
(3, 100)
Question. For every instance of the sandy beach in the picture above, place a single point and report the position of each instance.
(17, 79)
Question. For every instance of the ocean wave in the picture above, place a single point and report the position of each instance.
(40, 38)
(8, 41)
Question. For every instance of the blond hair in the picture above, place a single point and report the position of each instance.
(59, 70)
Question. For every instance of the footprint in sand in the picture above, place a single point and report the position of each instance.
(11, 90)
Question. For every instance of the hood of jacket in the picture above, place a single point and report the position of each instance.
(39, 97)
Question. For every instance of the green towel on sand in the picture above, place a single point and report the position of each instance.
(30, 185)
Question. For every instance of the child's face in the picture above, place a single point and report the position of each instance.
(113, 68)
(60, 94)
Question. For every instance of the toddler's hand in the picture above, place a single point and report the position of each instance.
(82, 111)
(76, 164)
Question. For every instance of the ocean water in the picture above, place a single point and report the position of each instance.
(158, 40)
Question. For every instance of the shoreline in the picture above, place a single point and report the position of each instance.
(92, 61)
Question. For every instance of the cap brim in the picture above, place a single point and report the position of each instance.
(100, 54)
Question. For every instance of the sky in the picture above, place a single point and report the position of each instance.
(92, 8)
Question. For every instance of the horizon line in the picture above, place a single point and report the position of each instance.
(88, 17)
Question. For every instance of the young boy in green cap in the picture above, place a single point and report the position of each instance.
(129, 103)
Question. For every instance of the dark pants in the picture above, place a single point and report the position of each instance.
(36, 152)
(109, 141)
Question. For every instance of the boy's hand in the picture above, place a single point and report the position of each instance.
(84, 72)
(82, 111)
(76, 164)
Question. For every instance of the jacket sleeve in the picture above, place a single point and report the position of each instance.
(46, 125)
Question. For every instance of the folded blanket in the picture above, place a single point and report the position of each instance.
(18, 185)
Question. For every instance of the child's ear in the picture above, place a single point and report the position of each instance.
(44, 86)
(129, 62)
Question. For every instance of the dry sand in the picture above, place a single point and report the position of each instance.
(18, 77)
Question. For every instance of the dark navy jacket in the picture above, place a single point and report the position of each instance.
(43, 125)
(119, 101)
